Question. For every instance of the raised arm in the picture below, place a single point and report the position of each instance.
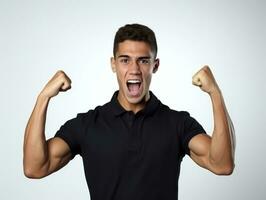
(215, 153)
(42, 157)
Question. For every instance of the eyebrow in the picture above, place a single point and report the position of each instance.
(145, 57)
(123, 56)
(127, 56)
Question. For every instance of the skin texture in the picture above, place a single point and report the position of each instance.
(43, 157)
(214, 153)
(133, 60)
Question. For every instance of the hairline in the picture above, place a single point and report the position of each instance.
(152, 50)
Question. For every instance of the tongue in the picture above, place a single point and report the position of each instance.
(133, 88)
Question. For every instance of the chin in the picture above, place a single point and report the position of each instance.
(135, 100)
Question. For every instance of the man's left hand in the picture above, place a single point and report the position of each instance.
(205, 80)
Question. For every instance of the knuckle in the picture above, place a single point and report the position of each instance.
(60, 73)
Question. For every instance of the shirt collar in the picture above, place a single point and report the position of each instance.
(149, 109)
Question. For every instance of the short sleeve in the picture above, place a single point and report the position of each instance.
(191, 128)
(72, 133)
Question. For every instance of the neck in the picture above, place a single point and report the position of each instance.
(134, 107)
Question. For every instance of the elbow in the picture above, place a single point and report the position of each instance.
(28, 173)
(34, 170)
(31, 173)
(225, 171)
(230, 169)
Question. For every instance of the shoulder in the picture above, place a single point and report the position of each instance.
(93, 114)
(177, 114)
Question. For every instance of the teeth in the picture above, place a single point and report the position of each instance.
(133, 81)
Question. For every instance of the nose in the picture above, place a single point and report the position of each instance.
(135, 68)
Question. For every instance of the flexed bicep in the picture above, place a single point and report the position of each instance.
(59, 154)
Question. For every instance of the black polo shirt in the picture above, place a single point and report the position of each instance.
(129, 156)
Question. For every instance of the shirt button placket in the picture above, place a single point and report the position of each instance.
(134, 141)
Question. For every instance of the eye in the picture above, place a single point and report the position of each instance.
(144, 61)
(124, 60)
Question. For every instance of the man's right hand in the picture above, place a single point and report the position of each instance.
(59, 82)
(42, 157)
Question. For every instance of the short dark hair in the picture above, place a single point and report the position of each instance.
(135, 32)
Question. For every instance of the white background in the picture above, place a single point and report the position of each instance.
(39, 37)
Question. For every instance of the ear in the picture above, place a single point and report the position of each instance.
(113, 64)
(156, 65)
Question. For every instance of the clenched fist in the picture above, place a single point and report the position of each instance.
(59, 82)
(205, 80)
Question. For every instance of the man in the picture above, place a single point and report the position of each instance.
(133, 145)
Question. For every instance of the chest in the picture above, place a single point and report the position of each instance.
(138, 141)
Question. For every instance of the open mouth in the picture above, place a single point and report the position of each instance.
(133, 86)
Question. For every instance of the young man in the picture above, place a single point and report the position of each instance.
(133, 145)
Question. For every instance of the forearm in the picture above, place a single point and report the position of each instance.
(35, 145)
(222, 143)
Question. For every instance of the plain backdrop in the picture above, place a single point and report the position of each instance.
(37, 38)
